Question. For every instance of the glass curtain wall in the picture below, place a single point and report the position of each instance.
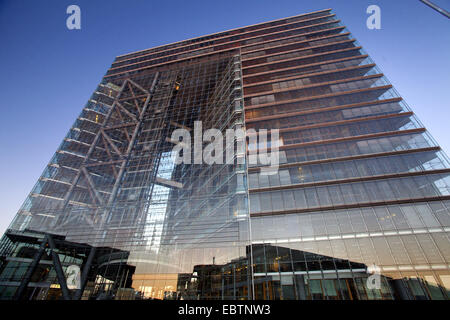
(358, 209)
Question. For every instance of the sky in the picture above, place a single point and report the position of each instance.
(47, 72)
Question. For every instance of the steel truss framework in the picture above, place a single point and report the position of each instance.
(112, 146)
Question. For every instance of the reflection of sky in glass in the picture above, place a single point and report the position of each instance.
(158, 205)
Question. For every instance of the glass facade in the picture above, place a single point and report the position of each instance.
(359, 208)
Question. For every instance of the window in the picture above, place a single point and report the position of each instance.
(300, 200)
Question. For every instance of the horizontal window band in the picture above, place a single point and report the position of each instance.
(363, 136)
(320, 110)
(334, 94)
(340, 28)
(356, 157)
(299, 49)
(297, 58)
(315, 85)
(341, 122)
(350, 206)
(363, 56)
(307, 75)
(350, 180)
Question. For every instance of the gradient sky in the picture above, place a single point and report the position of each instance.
(47, 72)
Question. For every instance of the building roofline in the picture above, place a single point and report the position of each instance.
(215, 33)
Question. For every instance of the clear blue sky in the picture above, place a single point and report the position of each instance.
(48, 72)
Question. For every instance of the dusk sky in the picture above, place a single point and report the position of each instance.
(47, 72)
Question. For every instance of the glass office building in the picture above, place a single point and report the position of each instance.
(358, 209)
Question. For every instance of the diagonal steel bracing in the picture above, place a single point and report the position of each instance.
(110, 147)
